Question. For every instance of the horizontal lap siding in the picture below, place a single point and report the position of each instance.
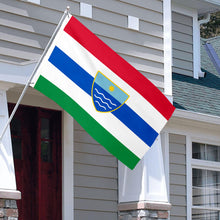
(177, 157)
(27, 28)
(182, 33)
(95, 179)
(25, 31)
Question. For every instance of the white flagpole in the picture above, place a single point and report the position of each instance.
(66, 13)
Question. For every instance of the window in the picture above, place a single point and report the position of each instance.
(205, 181)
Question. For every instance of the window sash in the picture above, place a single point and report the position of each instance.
(207, 209)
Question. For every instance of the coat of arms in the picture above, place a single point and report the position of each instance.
(106, 95)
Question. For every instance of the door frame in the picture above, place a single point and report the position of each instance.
(35, 99)
(67, 166)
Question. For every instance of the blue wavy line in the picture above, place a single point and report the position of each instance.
(101, 105)
(102, 101)
(105, 97)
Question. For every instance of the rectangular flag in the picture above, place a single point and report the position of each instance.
(110, 99)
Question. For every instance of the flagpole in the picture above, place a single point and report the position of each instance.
(66, 13)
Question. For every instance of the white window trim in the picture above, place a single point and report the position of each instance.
(200, 164)
(196, 36)
(189, 176)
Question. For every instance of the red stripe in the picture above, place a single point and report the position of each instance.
(119, 66)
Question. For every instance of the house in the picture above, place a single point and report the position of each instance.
(58, 170)
(193, 168)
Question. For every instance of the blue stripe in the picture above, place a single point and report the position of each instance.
(138, 125)
(126, 115)
(71, 69)
(84, 80)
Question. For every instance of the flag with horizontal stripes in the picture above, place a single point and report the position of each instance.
(110, 99)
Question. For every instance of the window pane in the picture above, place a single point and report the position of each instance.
(201, 214)
(206, 190)
(46, 151)
(213, 152)
(45, 128)
(199, 186)
(206, 152)
(198, 151)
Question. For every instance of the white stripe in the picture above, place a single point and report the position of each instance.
(91, 65)
(107, 120)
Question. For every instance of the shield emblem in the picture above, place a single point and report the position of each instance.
(106, 95)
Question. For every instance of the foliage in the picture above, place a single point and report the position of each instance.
(212, 28)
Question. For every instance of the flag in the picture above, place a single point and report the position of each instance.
(110, 99)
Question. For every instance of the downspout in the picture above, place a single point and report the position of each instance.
(205, 20)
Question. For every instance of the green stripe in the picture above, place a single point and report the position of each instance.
(99, 133)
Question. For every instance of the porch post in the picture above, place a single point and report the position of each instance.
(143, 191)
(8, 192)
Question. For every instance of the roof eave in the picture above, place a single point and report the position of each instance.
(202, 6)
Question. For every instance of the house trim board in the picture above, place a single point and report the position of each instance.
(167, 25)
(189, 176)
(67, 166)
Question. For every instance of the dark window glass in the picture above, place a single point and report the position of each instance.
(45, 128)
(46, 151)
(46, 141)
(205, 152)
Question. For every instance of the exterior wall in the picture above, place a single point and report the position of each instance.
(182, 33)
(95, 175)
(177, 155)
(26, 29)
(183, 129)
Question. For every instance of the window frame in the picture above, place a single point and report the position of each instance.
(198, 164)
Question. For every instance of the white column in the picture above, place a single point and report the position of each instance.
(147, 181)
(167, 35)
(7, 180)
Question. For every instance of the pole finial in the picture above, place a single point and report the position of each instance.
(68, 10)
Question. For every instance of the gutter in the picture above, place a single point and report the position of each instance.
(195, 116)
(206, 19)
(215, 2)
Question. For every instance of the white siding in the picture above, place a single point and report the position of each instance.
(182, 33)
(177, 157)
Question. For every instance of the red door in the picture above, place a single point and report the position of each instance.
(36, 142)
